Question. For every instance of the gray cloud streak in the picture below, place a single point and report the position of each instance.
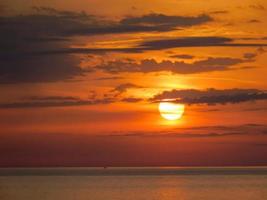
(211, 96)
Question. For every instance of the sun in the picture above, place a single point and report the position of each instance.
(171, 111)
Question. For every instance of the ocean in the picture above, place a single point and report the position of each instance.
(165, 183)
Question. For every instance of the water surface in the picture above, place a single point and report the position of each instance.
(134, 184)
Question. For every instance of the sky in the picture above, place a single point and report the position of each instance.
(81, 83)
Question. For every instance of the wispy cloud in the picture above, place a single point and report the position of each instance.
(200, 132)
(124, 87)
(178, 67)
(194, 42)
(211, 96)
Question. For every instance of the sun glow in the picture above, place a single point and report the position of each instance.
(171, 111)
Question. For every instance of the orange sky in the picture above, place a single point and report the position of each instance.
(81, 81)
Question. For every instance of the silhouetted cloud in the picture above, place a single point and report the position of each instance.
(219, 12)
(254, 21)
(49, 23)
(164, 22)
(39, 69)
(66, 101)
(56, 102)
(124, 87)
(109, 78)
(52, 98)
(35, 47)
(249, 55)
(211, 96)
(194, 42)
(179, 67)
(155, 45)
(132, 100)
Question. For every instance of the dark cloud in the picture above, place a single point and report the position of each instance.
(109, 78)
(56, 101)
(124, 87)
(219, 12)
(65, 101)
(254, 21)
(153, 45)
(53, 98)
(164, 22)
(39, 69)
(179, 67)
(194, 42)
(249, 55)
(22, 36)
(211, 96)
(35, 47)
(49, 22)
(182, 56)
(132, 100)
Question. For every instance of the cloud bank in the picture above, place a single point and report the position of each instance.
(178, 67)
(211, 96)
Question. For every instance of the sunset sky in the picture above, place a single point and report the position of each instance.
(81, 82)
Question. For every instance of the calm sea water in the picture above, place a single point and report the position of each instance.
(134, 184)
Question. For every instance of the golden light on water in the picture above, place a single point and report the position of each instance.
(171, 111)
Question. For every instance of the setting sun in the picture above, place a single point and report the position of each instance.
(171, 111)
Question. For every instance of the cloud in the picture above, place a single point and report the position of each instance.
(194, 42)
(254, 21)
(143, 46)
(152, 45)
(250, 55)
(22, 36)
(49, 22)
(219, 12)
(56, 101)
(66, 101)
(52, 98)
(132, 100)
(211, 96)
(179, 67)
(164, 22)
(201, 132)
(109, 78)
(257, 6)
(36, 47)
(40, 69)
(124, 87)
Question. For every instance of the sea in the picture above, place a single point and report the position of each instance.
(157, 183)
